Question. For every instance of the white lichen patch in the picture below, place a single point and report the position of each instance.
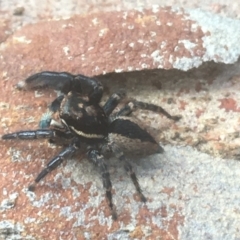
(125, 14)
(4, 74)
(155, 8)
(169, 24)
(184, 63)
(143, 55)
(120, 52)
(66, 212)
(95, 21)
(157, 57)
(118, 70)
(163, 44)
(194, 27)
(153, 34)
(83, 57)
(96, 68)
(44, 199)
(9, 202)
(130, 68)
(22, 39)
(66, 50)
(4, 191)
(67, 25)
(30, 220)
(131, 44)
(144, 65)
(103, 32)
(16, 155)
(188, 45)
(90, 48)
(11, 230)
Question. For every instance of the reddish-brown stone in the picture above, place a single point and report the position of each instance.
(101, 43)
(92, 45)
(4, 29)
(229, 104)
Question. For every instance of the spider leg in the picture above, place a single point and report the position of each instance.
(55, 162)
(113, 101)
(134, 105)
(30, 135)
(128, 167)
(55, 80)
(65, 82)
(129, 135)
(50, 134)
(98, 159)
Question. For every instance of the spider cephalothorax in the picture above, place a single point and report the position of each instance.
(75, 117)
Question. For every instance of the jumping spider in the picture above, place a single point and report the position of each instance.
(76, 118)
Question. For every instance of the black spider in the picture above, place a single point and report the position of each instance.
(76, 118)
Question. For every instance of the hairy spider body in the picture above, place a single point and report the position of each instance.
(76, 117)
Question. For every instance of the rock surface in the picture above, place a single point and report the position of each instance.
(190, 194)
(124, 41)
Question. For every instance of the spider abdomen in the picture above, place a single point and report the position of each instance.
(132, 138)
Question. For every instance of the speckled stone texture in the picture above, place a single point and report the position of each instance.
(191, 195)
(124, 41)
